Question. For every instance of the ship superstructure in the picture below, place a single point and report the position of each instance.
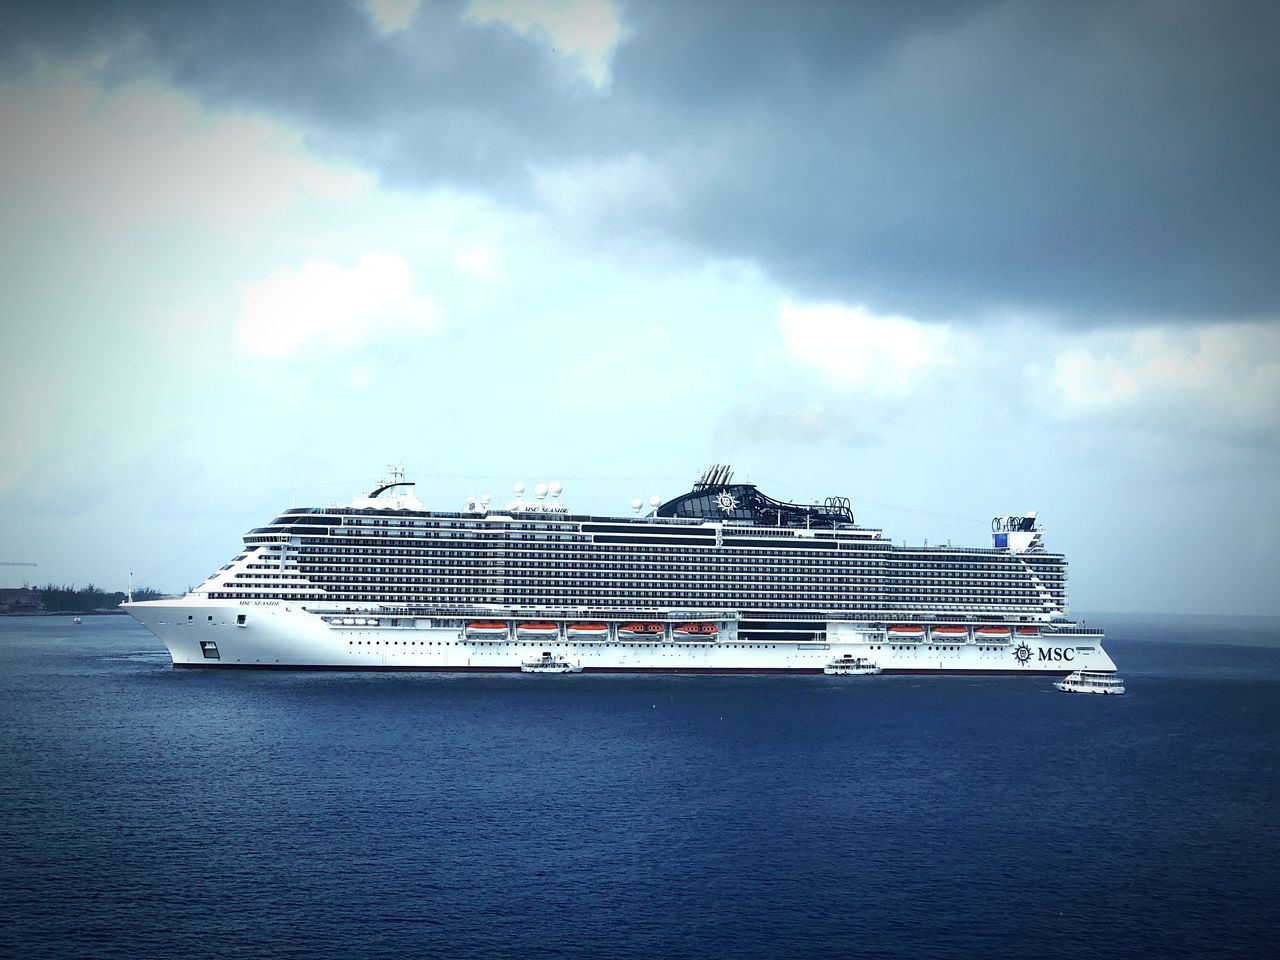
(720, 579)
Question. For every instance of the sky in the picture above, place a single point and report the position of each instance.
(952, 260)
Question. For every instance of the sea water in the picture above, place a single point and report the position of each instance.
(153, 812)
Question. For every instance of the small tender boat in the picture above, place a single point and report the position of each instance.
(75, 619)
(549, 664)
(537, 629)
(850, 666)
(1086, 681)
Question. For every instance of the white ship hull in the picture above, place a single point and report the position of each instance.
(276, 634)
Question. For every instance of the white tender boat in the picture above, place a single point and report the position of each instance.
(1085, 681)
(549, 664)
(850, 666)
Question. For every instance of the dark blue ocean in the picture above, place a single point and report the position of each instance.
(148, 812)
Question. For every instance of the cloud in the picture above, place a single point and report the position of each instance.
(1110, 164)
(585, 31)
(801, 421)
(606, 194)
(478, 262)
(135, 155)
(1187, 385)
(856, 350)
(1222, 381)
(332, 306)
(390, 16)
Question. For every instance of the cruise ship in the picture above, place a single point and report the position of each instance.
(721, 579)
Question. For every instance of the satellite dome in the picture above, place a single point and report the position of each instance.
(555, 488)
(636, 504)
(518, 487)
(486, 497)
(655, 502)
(540, 490)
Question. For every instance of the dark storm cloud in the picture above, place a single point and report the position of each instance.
(1106, 162)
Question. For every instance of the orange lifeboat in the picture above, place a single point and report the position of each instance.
(696, 630)
(950, 632)
(997, 632)
(647, 630)
(906, 631)
(1028, 631)
(537, 628)
(588, 630)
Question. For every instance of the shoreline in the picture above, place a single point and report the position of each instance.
(66, 613)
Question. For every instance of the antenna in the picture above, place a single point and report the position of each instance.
(131, 586)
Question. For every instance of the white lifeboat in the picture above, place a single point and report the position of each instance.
(487, 630)
(588, 631)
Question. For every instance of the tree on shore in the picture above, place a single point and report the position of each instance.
(67, 599)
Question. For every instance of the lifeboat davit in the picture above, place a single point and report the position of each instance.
(589, 631)
(487, 628)
(906, 630)
(696, 630)
(537, 628)
(646, 630)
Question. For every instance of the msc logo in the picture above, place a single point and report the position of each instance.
(1023, 654)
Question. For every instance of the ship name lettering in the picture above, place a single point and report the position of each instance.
(1058, 653)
